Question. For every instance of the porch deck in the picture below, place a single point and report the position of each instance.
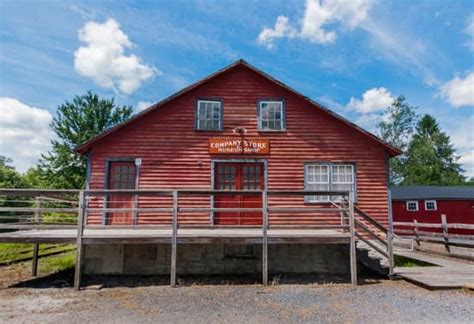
(186, 235)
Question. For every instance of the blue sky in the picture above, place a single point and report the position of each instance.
(354, 57)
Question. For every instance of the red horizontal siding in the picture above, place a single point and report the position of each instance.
(176, 156)
(456, 211)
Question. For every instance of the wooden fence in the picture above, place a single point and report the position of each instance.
(425, 232)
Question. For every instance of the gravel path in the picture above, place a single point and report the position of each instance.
(381, 302)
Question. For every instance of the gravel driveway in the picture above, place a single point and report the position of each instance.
(380, 302)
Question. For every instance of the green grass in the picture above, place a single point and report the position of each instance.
(63, 261)
(404, 262)
(57, 263)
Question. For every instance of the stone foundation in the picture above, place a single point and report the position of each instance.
(199, 259)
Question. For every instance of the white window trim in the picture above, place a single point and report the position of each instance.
(282, 114)
(308, 183)
(220, 115)
(329, 165)
(415, 202)
(434, 203)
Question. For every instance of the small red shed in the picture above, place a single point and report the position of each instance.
(426, 204)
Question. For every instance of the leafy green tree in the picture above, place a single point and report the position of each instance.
(9, 177)
(397, 129)
(431, 158)
(76, 122)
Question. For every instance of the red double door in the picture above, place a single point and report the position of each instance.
(238, 176)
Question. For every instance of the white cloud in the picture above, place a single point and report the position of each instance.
(469, 30)
(319, 16)
(458, 91)
(373, 100)
(281, 29)
(103, 58)
(24, 132)
(142, 105)
(462, 135)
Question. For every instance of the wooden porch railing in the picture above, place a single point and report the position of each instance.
(59, 205)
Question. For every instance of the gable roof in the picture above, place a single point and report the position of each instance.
(431, 192)
(392, 151)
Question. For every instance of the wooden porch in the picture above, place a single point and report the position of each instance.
(62, 216)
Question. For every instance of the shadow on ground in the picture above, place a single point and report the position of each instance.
(65, 279)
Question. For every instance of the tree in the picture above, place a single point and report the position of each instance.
(9, 177)
(76, 122)
(431, 158)
(397, 128)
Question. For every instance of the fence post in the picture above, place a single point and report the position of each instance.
(265, 239)
(417, 236)
(444, 221)
(391, 260)
(353, 254)
(174, 239)
(34, 261)
(80, 230)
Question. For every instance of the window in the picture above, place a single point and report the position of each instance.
(412, 205)
(271, 116)
(122, 175)
(209, 115)
(430, 204)
(327, 177)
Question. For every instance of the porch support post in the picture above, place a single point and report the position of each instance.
(353, 254)
(174, 239)
(391, 260)
(80, 230)
(265, 238)
(34, 261)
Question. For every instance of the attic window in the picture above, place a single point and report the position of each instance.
(271, 116)
(209, 115)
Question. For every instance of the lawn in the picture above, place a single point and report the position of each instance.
(9, 252)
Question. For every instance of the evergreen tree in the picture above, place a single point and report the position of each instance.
(397, 128)
(76, 122)
(431, 158)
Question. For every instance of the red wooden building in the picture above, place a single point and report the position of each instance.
(238, 129)
(426, 204)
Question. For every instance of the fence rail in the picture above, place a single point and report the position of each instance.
(51, 209)
(412, 230)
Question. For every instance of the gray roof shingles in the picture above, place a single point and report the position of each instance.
(431, 192)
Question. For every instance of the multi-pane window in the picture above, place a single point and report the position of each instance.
(430, 204)
(271, 116)
(412, 205)
(209, 115)
(122, 175)
(328, 177)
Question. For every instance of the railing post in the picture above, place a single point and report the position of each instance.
(80, 230)
(353, 254)
(444, 221)
(417, 235)
(38, 211)
(391, 259)
(265, 238)
(174, 239)
(34, 261)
